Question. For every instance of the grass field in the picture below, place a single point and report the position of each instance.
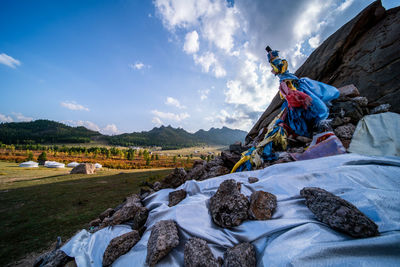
(37, 205)
(201, 150)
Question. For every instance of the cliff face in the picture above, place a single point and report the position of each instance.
(364, 52)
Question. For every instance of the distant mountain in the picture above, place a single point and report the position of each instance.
(51, 132)
(223, 136)
(170, 138)
(42, 132)
(166, 137)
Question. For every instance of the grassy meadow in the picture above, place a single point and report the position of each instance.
(39, 204)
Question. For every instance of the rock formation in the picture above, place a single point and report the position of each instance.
(364, 52)
(228, 206)
(339, 214)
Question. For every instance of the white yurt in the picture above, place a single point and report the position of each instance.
(29, 164)
(54, 164)
(73, 164)
(98, 165)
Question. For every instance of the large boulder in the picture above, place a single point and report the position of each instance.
(364, 52)
(163, 238)
(197, 253)
(84, 168)
(119, 246)
(228, 206)
(339, 214)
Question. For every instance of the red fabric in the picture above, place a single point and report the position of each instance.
(297, 99)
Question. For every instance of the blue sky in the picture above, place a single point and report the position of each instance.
(124, 66)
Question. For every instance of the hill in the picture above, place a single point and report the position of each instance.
(42, 132)
(51, 132)
(171, 138)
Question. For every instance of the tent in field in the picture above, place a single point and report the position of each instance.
(73, 164)
(54, 164)
(29, 164)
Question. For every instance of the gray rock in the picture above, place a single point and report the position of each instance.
(339, 214)
(349, 91)
(176, 197)
(84, 168)
(132, 210)
(163, 238)
(119, 246)
(228, 206)
(362, 101)
(198, 170)
(381, 108)
(175, 179)
(230, 159)
(237, 148)
(203, 170)
(95, 223)
(198, 254)
(107, 213)
(345, 131)
(55, 258)
(262, 205)
(241, 255)
(157, 186)
(253, 180)
(347, 109)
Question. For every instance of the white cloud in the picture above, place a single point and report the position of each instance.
(204, 94)
(345, 5)
(314, 41)
(170, 101)
(110, 129)
(5, 118)
(170, 115)
(139, 65)
(72, 105)
(191, 42)
(209, 62)
(9, 61)
(87, 124)
(157, 121)
(21, 117)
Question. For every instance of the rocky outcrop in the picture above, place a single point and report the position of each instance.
(228, 206)
(262, 205)
(197, 253)
(84, 168)
(176, 196)
(119, 246)
(339, 214)
(241, 255)
(163, 238)
(364, 52)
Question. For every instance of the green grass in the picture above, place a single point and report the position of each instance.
(35, 209)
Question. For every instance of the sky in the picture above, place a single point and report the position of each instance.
(131, 65)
